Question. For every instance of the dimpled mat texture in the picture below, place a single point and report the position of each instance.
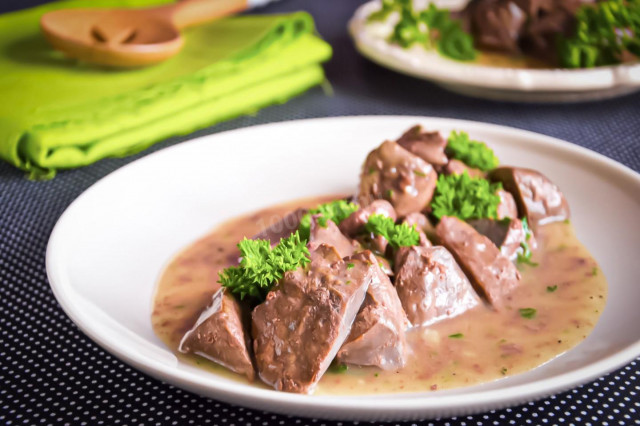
(50, 373)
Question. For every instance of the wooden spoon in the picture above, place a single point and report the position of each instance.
(130, 37)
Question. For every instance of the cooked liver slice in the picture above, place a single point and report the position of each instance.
(392, 173)
(507, 235)
(306, 318)
(422, 225)
(492, 273)
(431, 286)
(282, 229)
(457, 167)
(377, 337)
(427, 145)
(507, 207)
(536, 196)
(330, 235)
(495, 24)
(221, 335)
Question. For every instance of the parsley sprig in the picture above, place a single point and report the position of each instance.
(261, 266)
(337, 211)
(525, 256)
(472, 153)
(401, 235)
(431, 27)
(604, 30)
(465, 197)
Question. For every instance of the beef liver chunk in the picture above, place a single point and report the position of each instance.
(221, 335)
(457, 167)
(427, 145)
(354, 224)
(432, 286)
(536, 196)
(330, 235)
(281, 229)
(495, 24)
(507, 235)
(492, 273)
(377, 337)
(423, 226)
(507, 207)
(392, 173)
(306, 318)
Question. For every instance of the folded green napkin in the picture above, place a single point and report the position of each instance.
(57, 113)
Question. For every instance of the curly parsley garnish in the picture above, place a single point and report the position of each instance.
(337, 211)
(261, 266)
(401, 235)
(473, 153)
(604, 31)
(432, 27)
(465, 197)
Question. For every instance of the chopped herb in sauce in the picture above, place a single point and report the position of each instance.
(338, 368)
(528, 313)
(419, 173)
(525, 256)
(551, 288)
(594, 271)
(456, 336)
(350, 265)
(503, 371)
(390, 193)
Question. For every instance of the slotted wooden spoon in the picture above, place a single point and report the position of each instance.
(131, 37)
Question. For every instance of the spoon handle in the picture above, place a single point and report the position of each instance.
(187, 13)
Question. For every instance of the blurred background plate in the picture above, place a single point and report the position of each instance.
(489, 82)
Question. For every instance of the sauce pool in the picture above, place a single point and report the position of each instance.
(555, 307)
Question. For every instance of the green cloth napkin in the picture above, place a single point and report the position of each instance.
(57, 113)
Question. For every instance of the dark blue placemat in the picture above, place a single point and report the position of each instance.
(51, 373)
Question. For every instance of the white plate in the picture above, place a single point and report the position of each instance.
(522, 85)
(107, 250)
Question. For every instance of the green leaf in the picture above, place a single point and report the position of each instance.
(603, 31)
(337, 211)
(401, 235)
(465, 197)
(261, 266)
(473, 153)
(528, 313)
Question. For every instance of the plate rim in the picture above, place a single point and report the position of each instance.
(451, 72)
(343, 407)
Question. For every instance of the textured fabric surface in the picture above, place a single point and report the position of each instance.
(51, 373)
(58, 114)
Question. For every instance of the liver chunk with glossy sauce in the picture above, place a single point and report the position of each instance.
(281, 229)
(427, 145)
(220, 335)
(306, 318)
(508, 235)
(536, 196)
(431, 285)
(457, 167)
(330, 235)
(377, 337)
(392, 173)
(507, 207)
(493, 275)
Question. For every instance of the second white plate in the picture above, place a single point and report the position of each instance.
(521, 85)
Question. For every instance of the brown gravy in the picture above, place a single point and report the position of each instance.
(567, 290)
